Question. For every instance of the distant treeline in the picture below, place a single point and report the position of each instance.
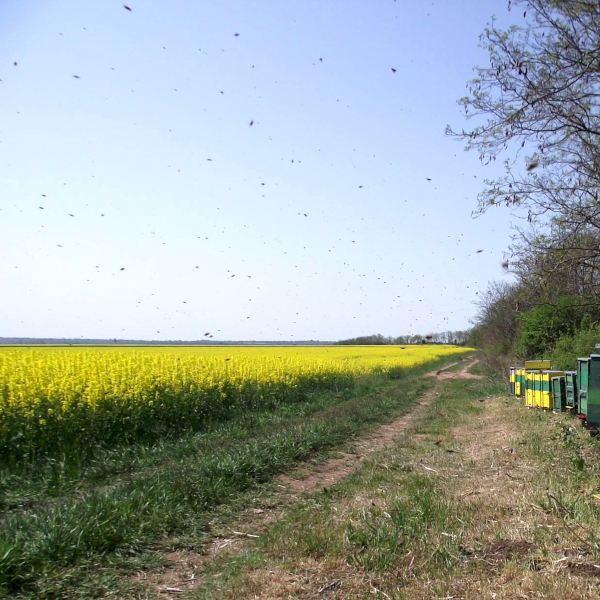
(113, 342)
(446, 337)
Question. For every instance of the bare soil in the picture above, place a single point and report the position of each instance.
(503, 550)
(446, 373)
(584, 569)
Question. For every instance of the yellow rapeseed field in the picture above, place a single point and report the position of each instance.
(53, 396)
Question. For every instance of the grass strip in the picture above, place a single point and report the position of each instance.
(392, 520)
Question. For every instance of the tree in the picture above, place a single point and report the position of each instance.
(542, 326)
(538, 104)
(556, 262)
(496, 319)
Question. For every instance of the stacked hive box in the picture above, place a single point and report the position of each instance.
(520, 382)
(547, 400)
(583, 376)
(588, 389)
(571, 391)
(533, 381)
(529, 388)
(558, 393)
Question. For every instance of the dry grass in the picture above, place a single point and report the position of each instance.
(513, 548)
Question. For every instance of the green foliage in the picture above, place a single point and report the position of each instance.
(572, 345)
(476, 337)
(541, 326)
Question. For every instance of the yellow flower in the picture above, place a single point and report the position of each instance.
(74, 383)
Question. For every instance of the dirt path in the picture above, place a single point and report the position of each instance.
(336, 468)
(180, 577)
(446, 373)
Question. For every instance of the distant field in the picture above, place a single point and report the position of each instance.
(54, 398)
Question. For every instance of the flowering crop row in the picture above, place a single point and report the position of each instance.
(55, 398)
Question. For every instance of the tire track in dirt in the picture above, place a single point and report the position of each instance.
(338, 467)
(179, 577)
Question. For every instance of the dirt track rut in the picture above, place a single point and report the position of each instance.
(179, 577)
(335, 468)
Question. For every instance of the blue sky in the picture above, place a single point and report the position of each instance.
(138, 201)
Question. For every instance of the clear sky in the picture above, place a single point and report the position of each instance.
(253, 169)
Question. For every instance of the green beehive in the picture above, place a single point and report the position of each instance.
(571, 390)
(546, 396)
(583, 377)
(558, 393)
(512, 381)
(593, 398)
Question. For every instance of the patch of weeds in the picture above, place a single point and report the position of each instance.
(475, 369)
(567, 463)
(420, 522)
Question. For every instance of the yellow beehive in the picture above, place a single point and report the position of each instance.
(529, 374)
(520, 381)
(546, 391)
(538, 364)
(537, 389)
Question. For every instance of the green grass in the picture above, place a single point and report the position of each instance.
(475, 369)
(69, 526)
